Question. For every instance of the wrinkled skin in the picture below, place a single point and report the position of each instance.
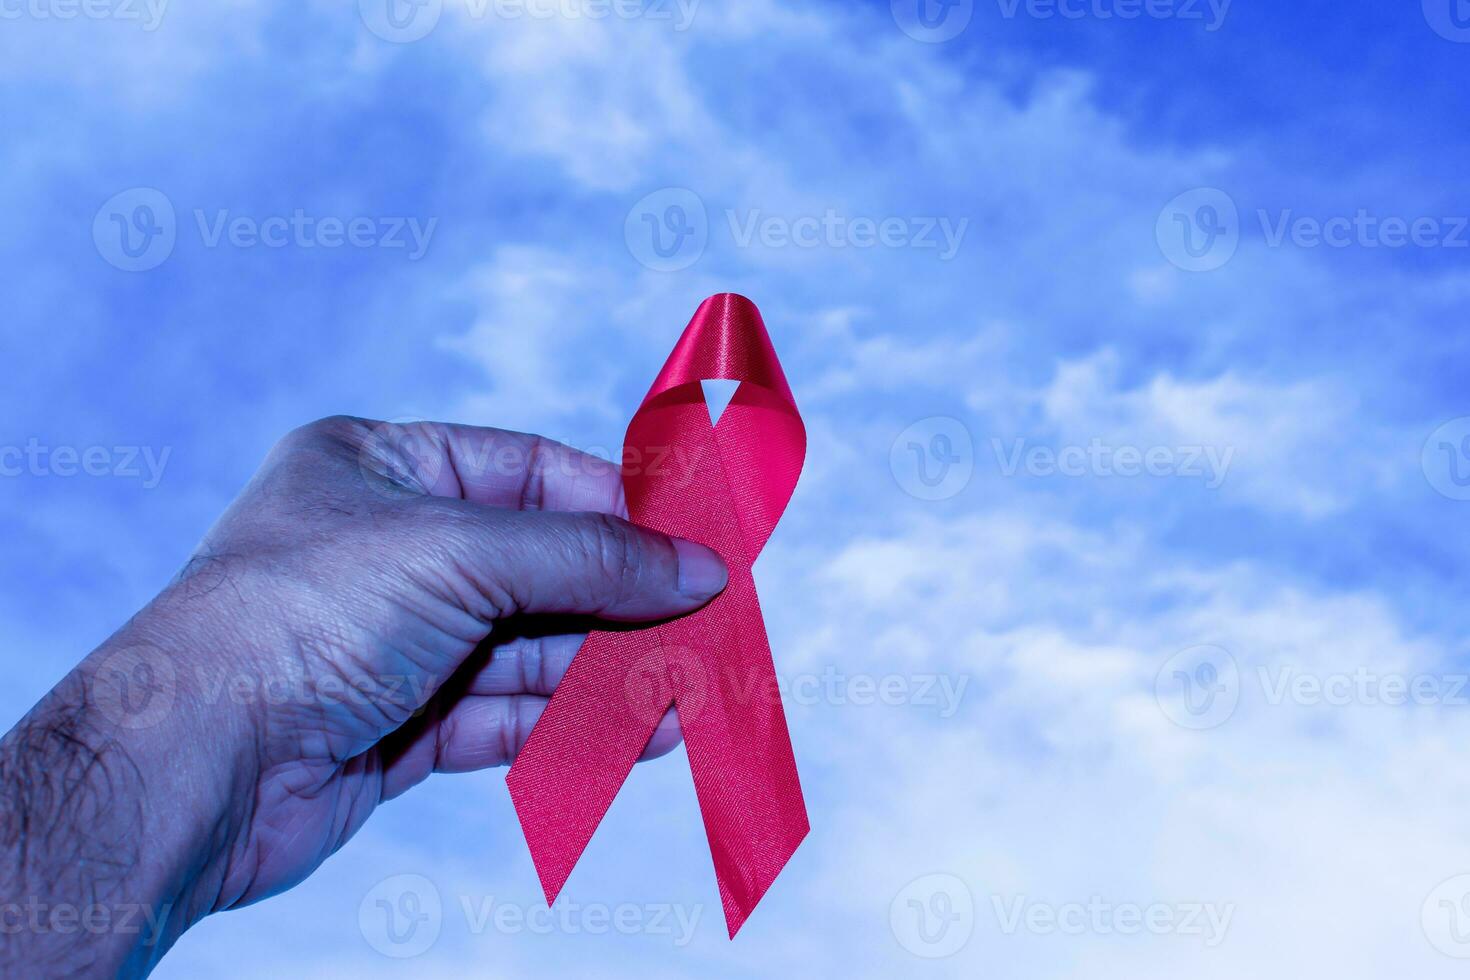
(380, 603)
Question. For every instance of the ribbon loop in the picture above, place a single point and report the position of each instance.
(726, 487)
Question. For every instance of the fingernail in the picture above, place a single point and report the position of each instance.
(701, 572)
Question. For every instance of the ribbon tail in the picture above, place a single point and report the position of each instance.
(592, 732)
(739, 747)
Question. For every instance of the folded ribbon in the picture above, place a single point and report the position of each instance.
(724, 485)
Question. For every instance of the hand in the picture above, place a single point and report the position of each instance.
(324, 651)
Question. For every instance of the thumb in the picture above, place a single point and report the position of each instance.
(588, 564)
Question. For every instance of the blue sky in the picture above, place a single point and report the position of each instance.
(1298, 530)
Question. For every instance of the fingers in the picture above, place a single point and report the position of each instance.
(530, 517)
(540, 474)
(482, 732)
(495, 467)
(571, 564)
(525, 665)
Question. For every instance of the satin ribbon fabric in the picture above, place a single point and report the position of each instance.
(724, 485)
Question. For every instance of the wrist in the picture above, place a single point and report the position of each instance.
(120, 794)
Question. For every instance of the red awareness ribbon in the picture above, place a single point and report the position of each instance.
(724, 485)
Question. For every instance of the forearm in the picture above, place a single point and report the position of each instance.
(116, 798)
(242, 727)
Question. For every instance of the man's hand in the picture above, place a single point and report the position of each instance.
(324, 650)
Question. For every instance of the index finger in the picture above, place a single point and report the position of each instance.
(501, 468)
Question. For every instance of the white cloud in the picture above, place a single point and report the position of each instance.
(531, 315)
(1321, 826)
(1294, 446)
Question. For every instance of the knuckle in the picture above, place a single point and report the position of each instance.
(515, 719)
(533, 664)
(333, 429)
(617, 550)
